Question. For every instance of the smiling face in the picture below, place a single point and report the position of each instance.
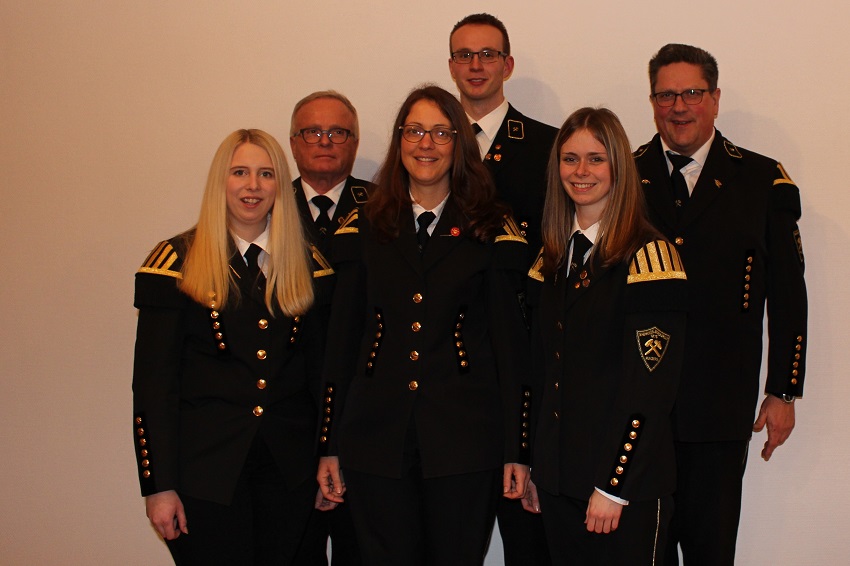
(428, 164)
(685, 127)
(250, 191)
(586, 176)
(324, 163)
(480, 84)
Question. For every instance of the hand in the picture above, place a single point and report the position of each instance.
(330, 479)
(323, 504)
(514, 481)
(603, 514)
(779, 418)
(530, 502)
(165, 511)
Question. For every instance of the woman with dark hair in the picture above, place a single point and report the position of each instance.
(225, 415)
(426, 348)
(608, 336)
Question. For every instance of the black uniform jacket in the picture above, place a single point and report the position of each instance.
(434, 341)
(355, 193)
(207, 381)
(610, 355)
(517, 160)
(740, 245)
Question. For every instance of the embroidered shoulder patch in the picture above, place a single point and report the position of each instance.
(348, 225)
(536, 272)
(512, 232)
(516, 130)
(161, 261)
(641, 150)
(732, 150)
(359, 193)
(655, 261)
(652, 344)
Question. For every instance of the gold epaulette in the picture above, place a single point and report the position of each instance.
(536, 271)
(160, 261)
(512, 232)
(782, 178)
(348, 225)
(325, 268)
(656, 261)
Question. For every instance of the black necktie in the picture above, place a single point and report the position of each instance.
(580, 247)
(424, 220)
(252, 255)
(323, 220)
(476, 128)
(680, 186)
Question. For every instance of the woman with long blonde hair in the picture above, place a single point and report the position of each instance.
(224, 417)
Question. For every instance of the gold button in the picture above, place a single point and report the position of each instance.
(795, 365)
(633, 435)
(557, 355)
(585, 283)
(140, 431)
(795, 373)
(462, 353)
(261, 354)
(557, 415)
(749, 259)
(797, 347)
(556, 385)
(749, 268)
(414, 355)
(216, 325)
(214, 315)
(222, 346)
(330, 389)
(459, 344)
(635, 423)
(263, 324)
(143, 453)
(525, 444)
(261, 384)
(623, 459)
(413, 385)
(746, 277)
(627, 447)
(679, 241)
(796, 356)
(146, 463)
(416, 327)
(746, 296)
(799, 338)
(323, 439)
(138, 420)
(619, 470)
(523, 224)
(614, 482)
(527, 393)
(583, 274)
(143, 442)
(258, 411)
(464, 363)
(146, 474)
(417, 298)
(794, 381)
(746, 305)
(559, 325)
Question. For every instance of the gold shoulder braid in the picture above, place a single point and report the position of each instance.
(536, 272)
(656, 261)
(512, 232)
(160, 261)
(348, 225)
(322, 262)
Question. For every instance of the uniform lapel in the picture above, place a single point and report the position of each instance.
(304, 211)
(406, 243)
(445, 237)
(716, 173)
(657, 185)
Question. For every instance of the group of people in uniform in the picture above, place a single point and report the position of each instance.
(512, 322)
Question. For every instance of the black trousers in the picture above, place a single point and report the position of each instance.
(708, 502)
(523, 536)
(339, 527)
(262, 525)
(640, 539)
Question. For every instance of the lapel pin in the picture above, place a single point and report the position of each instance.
(455, 231)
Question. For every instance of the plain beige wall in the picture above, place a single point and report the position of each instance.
(110, 115)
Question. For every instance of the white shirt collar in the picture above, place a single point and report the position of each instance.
(591, 233)
(262, 240)
(692, 170)
(437, 210)
(490, 125)
(334, 194)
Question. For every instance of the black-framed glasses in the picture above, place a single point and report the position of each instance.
(485, 56)
(314, 135)
(415, 134)
(668, 98)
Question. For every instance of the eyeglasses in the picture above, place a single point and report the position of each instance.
(690, 97)
(415, 134)
(314, 135)
(485, 56)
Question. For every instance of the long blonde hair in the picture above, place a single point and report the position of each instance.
(207, 277)
(624, 226)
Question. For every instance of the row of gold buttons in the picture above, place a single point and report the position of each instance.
(629, 443)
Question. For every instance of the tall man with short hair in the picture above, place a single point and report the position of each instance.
(515, 150)
(733, 216)
(324, 134)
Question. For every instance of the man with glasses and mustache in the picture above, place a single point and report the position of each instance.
(324, 133)
(515, 149)
(733, 217)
